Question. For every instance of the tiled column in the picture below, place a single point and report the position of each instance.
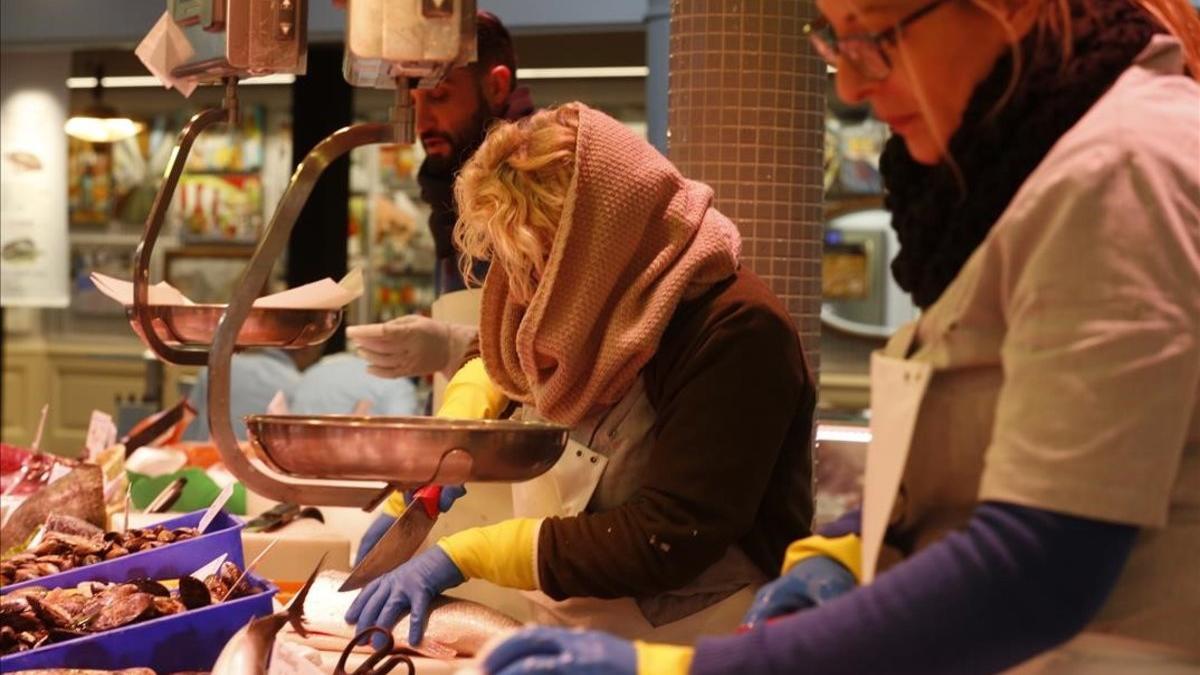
(746, 116)
(658, 59)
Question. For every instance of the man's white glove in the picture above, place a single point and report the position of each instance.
(411, 345)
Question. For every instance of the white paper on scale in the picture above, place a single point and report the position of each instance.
(323, 294)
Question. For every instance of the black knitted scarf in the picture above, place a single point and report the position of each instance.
(938, 224)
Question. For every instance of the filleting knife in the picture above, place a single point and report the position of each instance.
(400, 541)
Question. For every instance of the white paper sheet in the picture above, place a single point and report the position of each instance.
(323, 294)
(164, 48)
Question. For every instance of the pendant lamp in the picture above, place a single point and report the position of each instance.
(100, 122)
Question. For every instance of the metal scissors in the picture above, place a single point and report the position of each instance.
(369, 666)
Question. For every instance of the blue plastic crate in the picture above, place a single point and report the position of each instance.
(176, 559)
(190, 640)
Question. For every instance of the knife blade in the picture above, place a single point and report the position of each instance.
(281, 515)
(161, 423)
(168, 496)
(400, 541)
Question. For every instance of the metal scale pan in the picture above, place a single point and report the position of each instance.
(183, 334)
(229, 40)
(412, 450)
(180, 326)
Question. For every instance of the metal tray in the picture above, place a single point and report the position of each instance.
(196, 325)
(410, 450)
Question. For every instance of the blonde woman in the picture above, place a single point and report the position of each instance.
(1033, 480)
(615, 305)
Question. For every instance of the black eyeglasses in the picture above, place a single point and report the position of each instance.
(864, 51)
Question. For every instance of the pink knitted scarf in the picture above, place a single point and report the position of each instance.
(635, 238)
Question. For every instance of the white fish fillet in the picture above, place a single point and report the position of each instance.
(455, 627)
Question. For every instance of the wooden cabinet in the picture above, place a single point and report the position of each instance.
(74, 379)
(80, 384)
(24, 392)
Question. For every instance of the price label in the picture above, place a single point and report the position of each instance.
(101, 433)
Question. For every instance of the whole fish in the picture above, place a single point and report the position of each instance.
(249, 650)
(454, 628)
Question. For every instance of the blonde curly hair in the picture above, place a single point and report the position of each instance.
(510, 196)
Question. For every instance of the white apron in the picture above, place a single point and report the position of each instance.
(600, 469)
(898, 393)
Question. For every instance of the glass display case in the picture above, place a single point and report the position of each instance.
(862, 304)
(388, 233)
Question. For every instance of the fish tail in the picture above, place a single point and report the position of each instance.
(295, 608)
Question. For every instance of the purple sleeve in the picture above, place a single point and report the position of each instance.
(849, 523)
(1014, 583)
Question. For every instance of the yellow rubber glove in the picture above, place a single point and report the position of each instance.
(656, 659)
(504, 554)
(395, 504)
(470, 395)
(847, 550)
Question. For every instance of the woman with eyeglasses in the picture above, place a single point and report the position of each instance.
(1032, 495)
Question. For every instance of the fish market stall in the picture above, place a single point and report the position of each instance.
(88, 583)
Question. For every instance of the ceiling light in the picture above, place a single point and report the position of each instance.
(149, 81)
(101, 123)
(588, 73)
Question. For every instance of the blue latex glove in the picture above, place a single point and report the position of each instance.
(372, 535)
(809, 583)
(544, 650)
(450, 494)
(407, 589)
